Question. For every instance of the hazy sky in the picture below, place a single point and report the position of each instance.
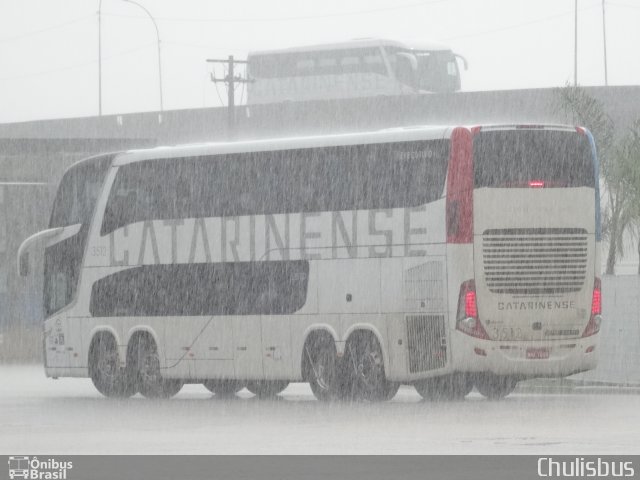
(49, 48)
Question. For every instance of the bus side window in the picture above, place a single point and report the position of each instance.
(374, 64)
(405, 69)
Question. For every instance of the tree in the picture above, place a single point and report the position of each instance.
(620, 168)
(627, 153)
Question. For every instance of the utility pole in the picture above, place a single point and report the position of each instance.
(230, 80)
(604, 40)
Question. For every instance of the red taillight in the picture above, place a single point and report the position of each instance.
(536, 184)
(593, 326)
(467, 319)
(470, 306)
(596, 299)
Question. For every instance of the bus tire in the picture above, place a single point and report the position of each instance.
(445, 388)
(495, 387)
(223, 388)
(145, 366)
(363, 370)
(320, 366)
(104, 368)
(267, 388)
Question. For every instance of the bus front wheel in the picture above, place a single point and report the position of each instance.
(104, 368)
(146, 364)
(495, 387)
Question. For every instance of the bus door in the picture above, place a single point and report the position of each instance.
(62, 266)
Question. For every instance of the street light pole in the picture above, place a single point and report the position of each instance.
(159, 56)
(604, 41)
(100, 58)
(575, 46)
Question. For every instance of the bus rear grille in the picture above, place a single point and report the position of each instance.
(535, 261)
(426, 342)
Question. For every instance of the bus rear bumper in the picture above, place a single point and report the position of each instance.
(527, 359)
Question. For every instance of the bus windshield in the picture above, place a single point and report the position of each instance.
(425, 70)
(437, 71)
(532, 158)
(74, 204)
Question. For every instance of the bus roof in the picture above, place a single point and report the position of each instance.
(355, 43)
(399, 134)
(201, 149)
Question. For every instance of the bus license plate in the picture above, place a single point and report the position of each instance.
(537, 353)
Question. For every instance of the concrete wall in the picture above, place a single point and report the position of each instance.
(620, 334)
(296, 118)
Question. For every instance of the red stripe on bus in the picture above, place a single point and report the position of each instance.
(460, 187)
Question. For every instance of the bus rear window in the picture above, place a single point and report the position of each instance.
(532, 158)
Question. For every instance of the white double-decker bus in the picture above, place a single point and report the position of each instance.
(443, 257)
(367, 67)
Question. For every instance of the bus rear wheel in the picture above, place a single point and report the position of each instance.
(146, 365)
(104, 368)
(364, 370)
(321, 367)
(223, 388)
(447, 387)
(495, 387)
(267, 388)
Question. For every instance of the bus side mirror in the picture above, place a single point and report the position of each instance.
(24, 264)
(41, 237)
(465, 64)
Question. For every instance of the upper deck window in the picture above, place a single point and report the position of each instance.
(78, 192)
(357, 177)
(321, 62)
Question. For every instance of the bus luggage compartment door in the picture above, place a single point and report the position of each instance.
(247, 343)
(276, 346)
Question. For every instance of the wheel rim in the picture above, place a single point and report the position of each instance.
(107, 364)
(322, 370)
(369, 368)
(149, 369)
